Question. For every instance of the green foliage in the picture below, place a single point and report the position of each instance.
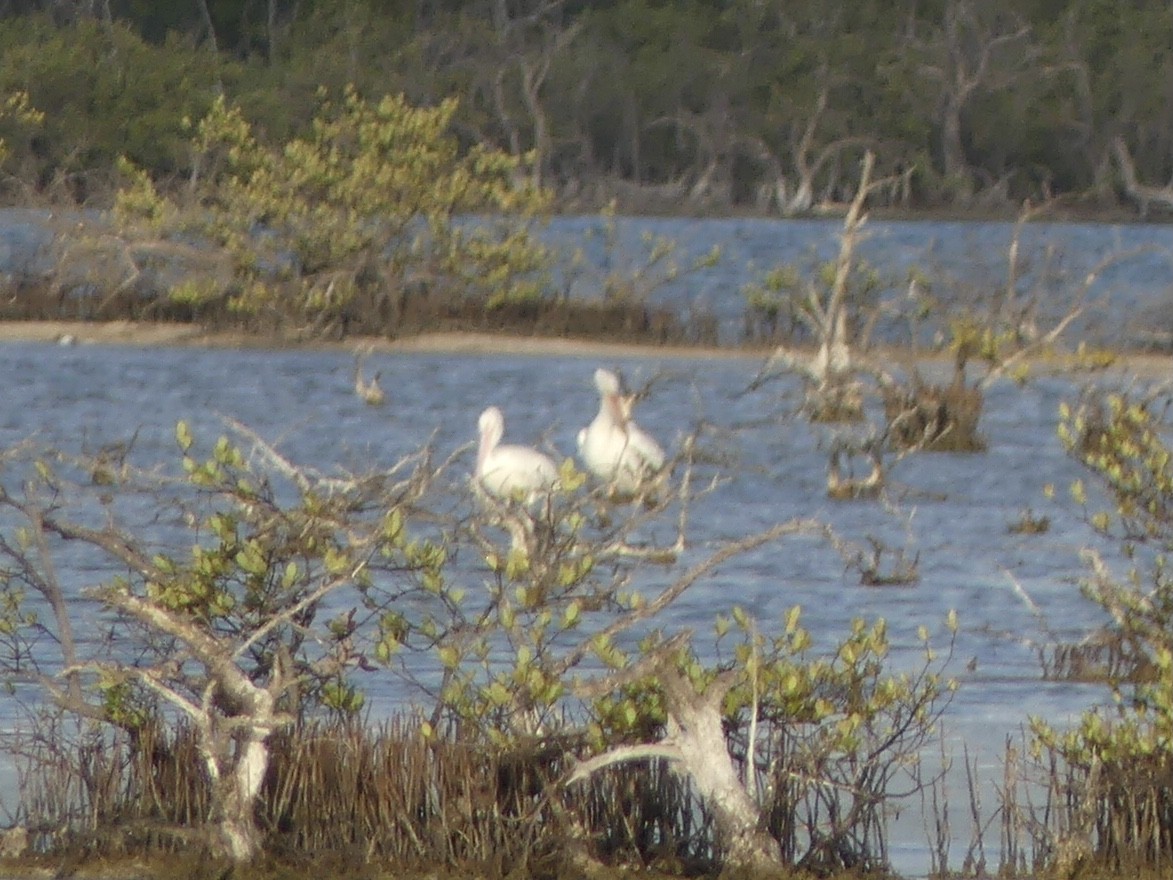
(261, 566)
(507, 647)
(787, 302)
(741, 95)
(1123, 754)
(17, 113)
(126, 706)
(972, 339)
(108, 93)
(1121, 441)
(846, 704)
(377, 197)
(843, 703)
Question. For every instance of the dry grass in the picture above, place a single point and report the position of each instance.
(375, 796)
(935, 418)
(388, 798)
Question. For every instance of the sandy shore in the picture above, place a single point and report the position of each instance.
(1153, 367)
(168, 334)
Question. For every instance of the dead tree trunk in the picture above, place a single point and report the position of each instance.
(237, 767)
(694, 743)
(836, 392)
(1144, 196)
(695, 727)
(234, 718)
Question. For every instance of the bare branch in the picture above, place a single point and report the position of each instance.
(1049, 338)
(622, 755)
(673, 592)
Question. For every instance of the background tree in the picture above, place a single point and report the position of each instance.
(744, 101)
(974, 51)
(18, 119)
(90, 65)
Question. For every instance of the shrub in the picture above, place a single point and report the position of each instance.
(331, 231)
(243, 601)
(1119, 805)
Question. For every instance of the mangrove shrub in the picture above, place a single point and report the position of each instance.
(1120, 809)
(334, 230)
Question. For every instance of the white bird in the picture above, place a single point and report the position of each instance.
(614, 448)
(508, 472)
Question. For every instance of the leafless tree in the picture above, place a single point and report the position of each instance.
(973, 55)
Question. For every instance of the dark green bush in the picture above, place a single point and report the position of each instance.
(104, 93)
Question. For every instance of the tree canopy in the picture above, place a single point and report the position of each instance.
(734, 105)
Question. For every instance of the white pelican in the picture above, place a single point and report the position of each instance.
(614, 448)
(508, 472)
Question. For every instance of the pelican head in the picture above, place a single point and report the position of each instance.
(491, 426)
(606, 381)
(612, 401)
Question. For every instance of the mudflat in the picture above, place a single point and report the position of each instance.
(1143, 365)
(147, 334)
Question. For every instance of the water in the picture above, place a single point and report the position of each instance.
(1013, 592)
(961, 265)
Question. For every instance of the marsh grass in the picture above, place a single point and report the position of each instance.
(1052, 817)
(388, 795)
(1101, 818)
(384, 794)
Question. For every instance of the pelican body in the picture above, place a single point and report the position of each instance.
(614, 448)
(510, 472)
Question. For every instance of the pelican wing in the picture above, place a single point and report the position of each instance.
(510, 471)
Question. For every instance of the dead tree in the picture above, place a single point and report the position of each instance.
(974, 57)
(832, 374)
(1145, 197)
(694, 744)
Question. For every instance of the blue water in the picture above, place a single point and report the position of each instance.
(961, 266)
(1121, 274)
(952, 511)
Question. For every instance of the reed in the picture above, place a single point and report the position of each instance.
(387, 794)
(1059, 817)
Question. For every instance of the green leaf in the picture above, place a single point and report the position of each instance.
(183, 436)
